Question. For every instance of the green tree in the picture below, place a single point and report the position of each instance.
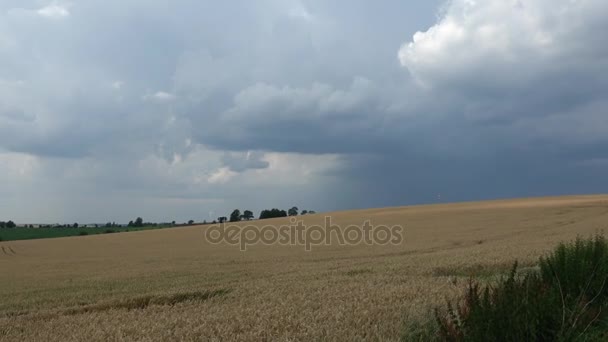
(272, 213)
(10, 224)
(139, 222)
(221, 219)
(293, 211)
(235, 216)
(191, 222)
(247, 215)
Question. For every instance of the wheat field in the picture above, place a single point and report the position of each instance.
(172, 285)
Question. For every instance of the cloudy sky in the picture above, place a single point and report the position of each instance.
(186, 109)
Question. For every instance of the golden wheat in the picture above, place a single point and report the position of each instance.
(172, 285)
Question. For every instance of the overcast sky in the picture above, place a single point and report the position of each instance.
(187, 109)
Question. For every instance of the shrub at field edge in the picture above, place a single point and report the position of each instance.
(566, 300)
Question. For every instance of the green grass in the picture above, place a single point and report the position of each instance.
(14, 234)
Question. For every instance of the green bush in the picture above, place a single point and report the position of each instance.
(565, 301)
(577, 273)
(579, 269)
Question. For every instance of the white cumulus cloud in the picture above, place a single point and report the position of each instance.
(513, 39)
(54, 11)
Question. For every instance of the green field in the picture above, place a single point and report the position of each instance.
(14, 234)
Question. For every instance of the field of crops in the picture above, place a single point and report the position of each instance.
(173, 284)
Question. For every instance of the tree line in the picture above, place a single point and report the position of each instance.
(8, 224)
(247, 215)
(137, 223)
(235, 216)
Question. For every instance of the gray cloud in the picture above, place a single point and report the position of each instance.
(15, 115)
(239, 162)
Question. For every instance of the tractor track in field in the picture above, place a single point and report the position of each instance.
(8, 250)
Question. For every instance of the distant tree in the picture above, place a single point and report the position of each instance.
(191, 222)
(139, 222)
(204, 221)
(11, 224)
(272, 213)
(75, 225)
(304, 212)
(130, 224)
(173, 223)
(214, 222)
(2, 224)
(222, 219)
(247, 215)
(310, 212)
(293, 211)
(235, 216)
(264, 214)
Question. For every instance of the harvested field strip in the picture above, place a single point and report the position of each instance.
(135, 303)
(143, 302)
